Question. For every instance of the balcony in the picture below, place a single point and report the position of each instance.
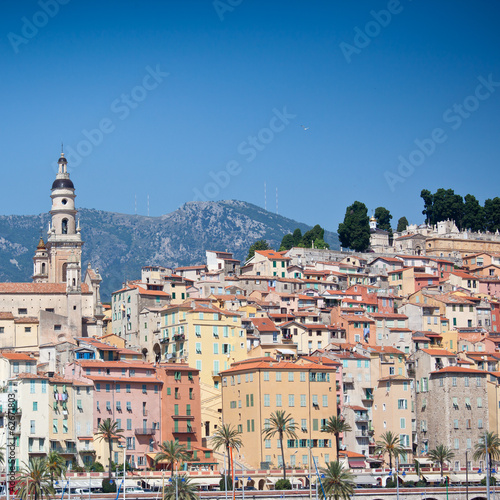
(184, 430)
(69, 450)
(145, 431)
(216, 374)
(179, 336)
(348, 378)
(361, 434)
(164, 340)
(362, 418)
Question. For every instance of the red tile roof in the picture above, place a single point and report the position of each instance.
(37, 288)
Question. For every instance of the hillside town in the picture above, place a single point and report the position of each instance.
(401, 341)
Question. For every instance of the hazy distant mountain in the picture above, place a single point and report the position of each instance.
(119, 244)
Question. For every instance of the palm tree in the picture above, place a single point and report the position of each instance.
(227, 436)
(390, 444)
(180, 488)
(488, 447)
(338, 482)
(108, 430)
(172, 451)
(34, 480)
(284, 426)
(55, 466)
(336, 425)
(441, 454)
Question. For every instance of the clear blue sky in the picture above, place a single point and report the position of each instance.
(366, 86)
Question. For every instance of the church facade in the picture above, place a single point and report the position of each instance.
(59, 303)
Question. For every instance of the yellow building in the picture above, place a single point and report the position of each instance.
(254, 389)
(207, 338)
(392, 398)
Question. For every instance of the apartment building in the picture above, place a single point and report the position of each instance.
(254, 389)
(129, 393)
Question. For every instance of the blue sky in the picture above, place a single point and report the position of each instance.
(181, 100)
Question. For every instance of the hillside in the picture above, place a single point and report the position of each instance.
(119, 244)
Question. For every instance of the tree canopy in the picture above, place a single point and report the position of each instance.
(402, 224)
(258, 245)
(383, 217)
(314, 236)
(467, 212)
(354, 232)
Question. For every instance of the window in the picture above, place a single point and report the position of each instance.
(35, 406)
(291, 400)
(32, 426)
(290, 376)
(325, 400)
(479, 402)
(266, 376)
(302, 376)
(278, 400)
(127, 388)
(278, 376)
(303, 400)
(402, 404)
(267, 400)
(402, 423)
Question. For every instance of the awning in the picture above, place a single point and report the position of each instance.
(82, 483)
(295, 480)
(205, 481)
(366, 480)
(272, 480)
(409, 477)
(286, 351)
(357, 464)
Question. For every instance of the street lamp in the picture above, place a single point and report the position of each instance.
(124, 467)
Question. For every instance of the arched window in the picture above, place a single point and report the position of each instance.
(64, 270)
(64, 226)
(43, 267)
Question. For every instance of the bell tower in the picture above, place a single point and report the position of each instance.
(64, 238)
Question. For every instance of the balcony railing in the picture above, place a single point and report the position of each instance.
(361, 418)
(65, 451)
(145, 431)
(184, 430)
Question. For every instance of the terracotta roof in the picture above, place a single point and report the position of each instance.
(113, 378)
(438, 352)
(272, 255)
(17, 356)
(6, 315)
(388, 315)
(114, 364)
(37, 288)
(459, 369)
(264, 325)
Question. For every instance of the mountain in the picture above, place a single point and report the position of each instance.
(120, 244)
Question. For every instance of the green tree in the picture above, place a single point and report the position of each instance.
(297, 237)
(473, 217)
(56, 466)
(172, 451)
(286, 242)
(315, 235)
(181, 487)
(227, 436)
(383, 217)
(281, 424)
(336, 425)
(338, 482)
(441, 454)
(492, 214)
(488, 445)
(426, 195)
(354, 232)
(442, 205)
(389, 444)
(109, 431)
(258, 245)
(402, 224)
(34, 480)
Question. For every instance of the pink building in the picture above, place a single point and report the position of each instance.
(129, 393)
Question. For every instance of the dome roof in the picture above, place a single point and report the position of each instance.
(63, 184)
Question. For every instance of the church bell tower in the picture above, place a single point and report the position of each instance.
(64, 241)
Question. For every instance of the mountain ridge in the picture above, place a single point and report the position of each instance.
(120, 244)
